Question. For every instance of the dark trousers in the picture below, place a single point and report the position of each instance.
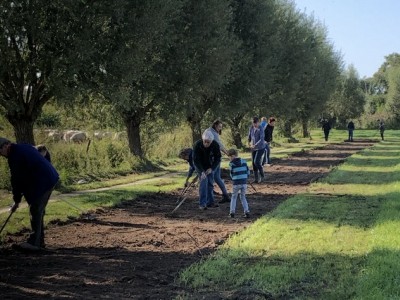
(382, 135)
(37, 211)
(266, 158)
(326, 133)
(350, 135)
(257, 156)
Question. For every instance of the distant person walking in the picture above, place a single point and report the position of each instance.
(326, 127)
(206, 158)
(239, 174)
(350, 128)
(257, 145)
(382, 129)
(32, 177)
(216, 130)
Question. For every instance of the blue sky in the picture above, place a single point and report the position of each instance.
(364, 31)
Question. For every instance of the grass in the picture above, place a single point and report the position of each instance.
(340, 240)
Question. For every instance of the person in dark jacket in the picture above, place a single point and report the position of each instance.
(239, 173)
(187, 154)
(32, 177)
(326, 127)
(381, 129)
(206, 159)
(269, 129)
(350, 128)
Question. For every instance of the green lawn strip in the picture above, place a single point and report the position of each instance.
(340, 240)
(61, 210)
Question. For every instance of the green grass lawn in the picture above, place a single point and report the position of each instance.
(340, 240)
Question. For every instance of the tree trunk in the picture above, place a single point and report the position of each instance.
(196, 130)
(133, 130)
(287, 129)
(23, 130)
(305, 129)
(194, 121)
(235, 131)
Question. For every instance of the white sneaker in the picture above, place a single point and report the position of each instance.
(28, 246)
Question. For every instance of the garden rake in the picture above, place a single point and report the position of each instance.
(5, 223)
(181, 198)
(83, 213)
(186, 189)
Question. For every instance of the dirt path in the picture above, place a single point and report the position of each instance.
(135, 251)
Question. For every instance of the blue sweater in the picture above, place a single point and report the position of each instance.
(239, 171)
(256, 138)
(31, 174)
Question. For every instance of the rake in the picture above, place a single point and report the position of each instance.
(84, 213)
(183, 193)
(5, 223)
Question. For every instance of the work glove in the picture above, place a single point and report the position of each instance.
(186, 184)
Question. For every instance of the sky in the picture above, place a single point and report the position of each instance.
(363, 31)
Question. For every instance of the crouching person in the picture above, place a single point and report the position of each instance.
(187, 155)
(239, 173)
(206, 159)
(33, 177)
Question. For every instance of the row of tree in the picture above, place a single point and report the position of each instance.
(176, 59)
(383, 91)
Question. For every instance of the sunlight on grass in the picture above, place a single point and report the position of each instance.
(340, 240)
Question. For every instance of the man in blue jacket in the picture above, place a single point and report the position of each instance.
(33, 177)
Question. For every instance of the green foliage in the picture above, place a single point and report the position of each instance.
(115, 156)
(383, 93)
(48, 120)
(348, 101)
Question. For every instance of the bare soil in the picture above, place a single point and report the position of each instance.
(136, 250)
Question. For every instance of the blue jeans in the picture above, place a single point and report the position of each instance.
(206, 189)
(242, 189)
(266, 157)
(256, 159)
(218, 180)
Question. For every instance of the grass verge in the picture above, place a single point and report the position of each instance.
(340, 240)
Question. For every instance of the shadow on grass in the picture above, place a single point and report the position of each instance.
(339, 210)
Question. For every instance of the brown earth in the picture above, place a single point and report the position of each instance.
(136, 250)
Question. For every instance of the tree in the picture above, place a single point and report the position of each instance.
(254, 24)
(203, 51)
(133, 71)
(348, 100)
(42, 48)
